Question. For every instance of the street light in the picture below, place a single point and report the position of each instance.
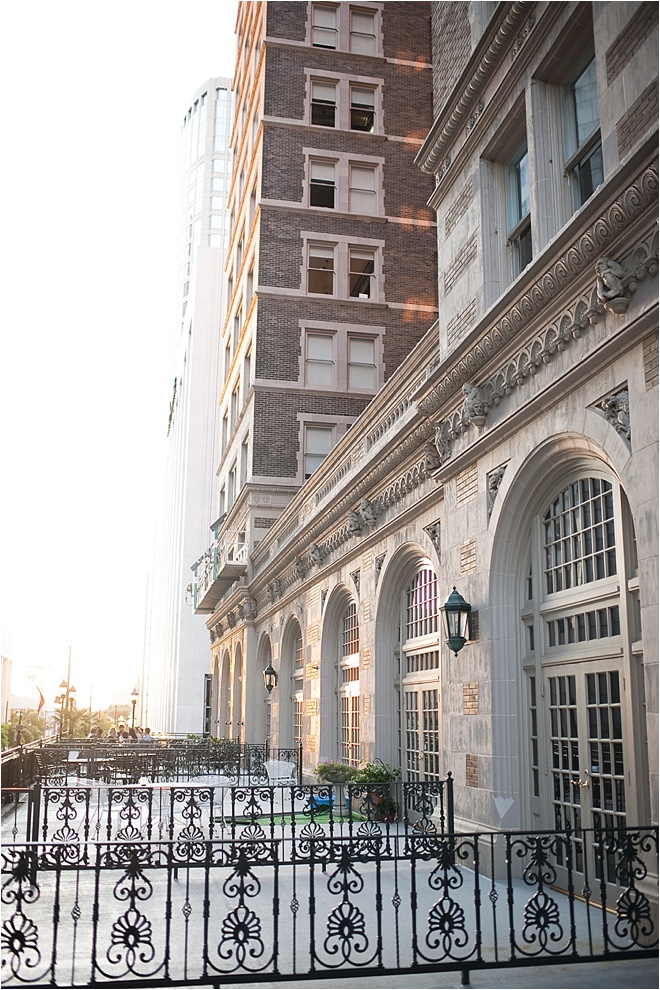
(135, 694)
(457, 621)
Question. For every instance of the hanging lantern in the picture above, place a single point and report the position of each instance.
(457, 621)
(270, 677)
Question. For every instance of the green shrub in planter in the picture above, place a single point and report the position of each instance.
(333, 772)
(375, 772)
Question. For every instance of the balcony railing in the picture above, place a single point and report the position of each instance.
(373, 902)
(223, 563)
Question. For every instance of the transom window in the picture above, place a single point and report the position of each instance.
(579, 543)
(349, 687)
(422, 605)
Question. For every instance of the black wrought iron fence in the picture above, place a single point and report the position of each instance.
(255, 907)
(217, 807)
(169, 760)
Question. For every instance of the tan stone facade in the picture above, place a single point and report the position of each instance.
(515, 459)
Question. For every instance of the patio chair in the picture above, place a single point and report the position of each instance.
(280, 773)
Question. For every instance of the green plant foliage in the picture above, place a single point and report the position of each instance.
(334, 772)
(376, 772)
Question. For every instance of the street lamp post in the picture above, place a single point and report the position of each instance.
(67, 700)
(134, 697)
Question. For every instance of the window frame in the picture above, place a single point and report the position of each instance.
(344, 30)
(344, 85)
(343, 250)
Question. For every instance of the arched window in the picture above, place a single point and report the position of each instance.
(349, 688)
(298, 670)
(580, 686)
(418, 658)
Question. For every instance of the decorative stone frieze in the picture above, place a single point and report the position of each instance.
(249, 609)
(474, 408)
(493, 482)
(609, 286)
(316, 554)
(301, 567)
(433, 532)
(519, 43)
(616, 410)
(369, 512)
(474, 116)
(578, 257)
(355, 523)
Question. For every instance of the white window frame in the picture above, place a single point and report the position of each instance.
(339, 425)
(312, 361)
(329, 430)
(343, 86)
(323, 170)
(342, 334)
(341, 248)
(346, 33)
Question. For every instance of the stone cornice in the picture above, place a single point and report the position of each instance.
(580, 255)
(466, 94)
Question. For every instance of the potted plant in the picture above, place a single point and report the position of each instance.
(334, 772)
(377, 777)
(388, 810)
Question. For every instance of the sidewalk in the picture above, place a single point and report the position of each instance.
(637, 974)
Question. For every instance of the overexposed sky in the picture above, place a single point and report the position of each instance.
(93, 96)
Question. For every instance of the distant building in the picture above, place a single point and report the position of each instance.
(173, 685)
(331, 274)
(513, 454)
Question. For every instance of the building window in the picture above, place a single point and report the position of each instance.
(297, 692)
(362, 109)
(363, 32)
(584, 153)
(231, 486)
(579, 536)
(519, 219)
(362, 190)
(322, 189)
(247, 371)
(324, 103)
(324, 26)
(418, 674)
(321, 269)
(225, 432)
(320, 360)
(318, 444)
(362, 363)
(349, 688)
(235, 406)
(244, 462)
(361, 273)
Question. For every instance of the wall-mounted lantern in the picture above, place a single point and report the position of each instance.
(457, 621)
(270, 678)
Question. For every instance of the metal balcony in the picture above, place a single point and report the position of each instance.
(213, 575)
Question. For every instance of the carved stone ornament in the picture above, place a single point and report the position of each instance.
(432, 458)
(356, 581)
(301, 569)
(270, 594)
(379, 565)
(474, 410)
(493, 481)
(616, 409)
(231, 619)
(324, 595)
(249, 609)
(522, 37)
(355, 523)
(316, 554)
(369, 512)
(609, 286)
(277, 588)
(442, 443)
(433, 531)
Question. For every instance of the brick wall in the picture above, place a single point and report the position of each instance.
(287, 20)
(276, 442)
(631, 39)
(471, 699)
(460, 264)
(468, 557)
(471, 770)
(407, 31)
(450, 30)
(459, 207)
(466, 485)
(459, 325)
(641, 116)
(651, 360)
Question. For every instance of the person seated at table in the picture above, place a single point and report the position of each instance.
(122, 734)
(138, 733)
(132, 735)
(112, 734)
(146, 735)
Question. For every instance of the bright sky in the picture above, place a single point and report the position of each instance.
(92, 101)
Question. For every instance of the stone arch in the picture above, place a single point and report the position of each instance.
(237, 700)
(338, 601)
(285, 706)
(224, 701)
(398, 570)
(529, 482)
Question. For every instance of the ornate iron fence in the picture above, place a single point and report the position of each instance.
(218, 808)
(172, 760)
(216, 912)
